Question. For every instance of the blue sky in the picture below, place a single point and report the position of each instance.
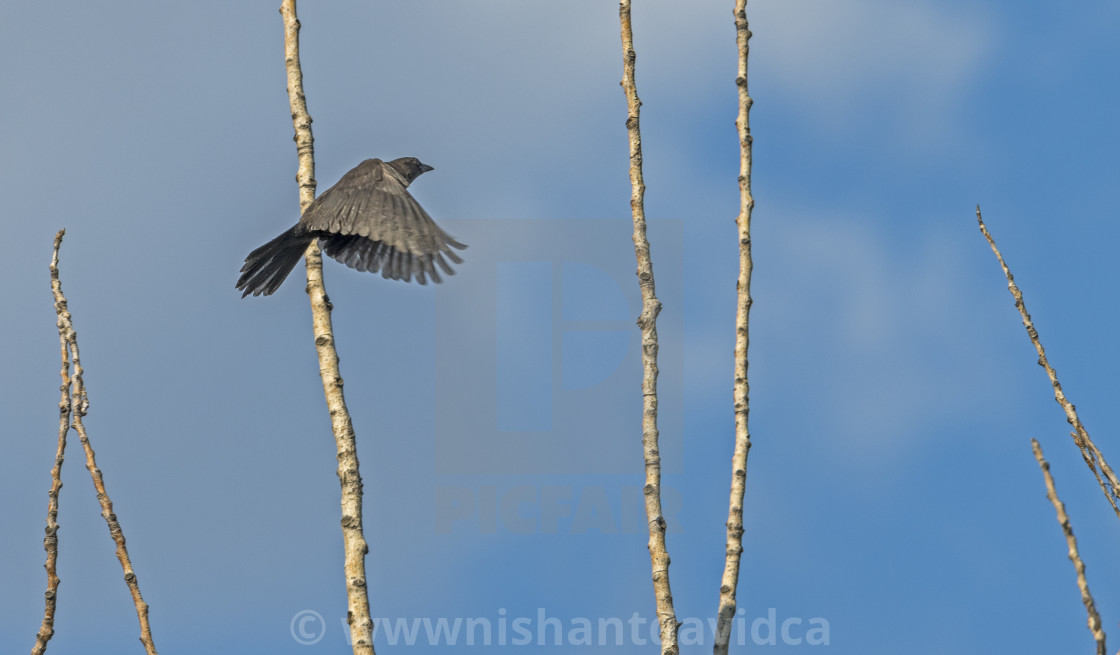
(891, 489)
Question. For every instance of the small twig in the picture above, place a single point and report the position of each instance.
(1063, 520)
(1110, 485)
(354, 543)
(79, 403)
(741, 392)
(50, 542)
(647, 322)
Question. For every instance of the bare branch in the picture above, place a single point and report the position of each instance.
(354, 543)
(1063, 520)
(1110, 485)
(50, 542)
(79, 403)
(741, 390)
(647, 322)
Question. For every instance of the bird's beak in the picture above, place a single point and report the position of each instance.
(424, 168)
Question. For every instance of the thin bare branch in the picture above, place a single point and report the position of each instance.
(1095, 626)
(647, 322)
(741, 390)
(1110, 485)
(354, 542)
(79, 403)
(50, 542)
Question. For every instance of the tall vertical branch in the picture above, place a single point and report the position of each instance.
(1095, 626)
(1110, 485)
(79, 406)
(647, 322)
(741, 390)
(354, 542)
(50, 542)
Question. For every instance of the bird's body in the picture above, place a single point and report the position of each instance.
(368, 221)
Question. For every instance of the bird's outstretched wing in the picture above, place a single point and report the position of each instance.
(369, 221)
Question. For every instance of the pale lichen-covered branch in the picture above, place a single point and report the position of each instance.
(741, 389)
(647, 322)
(354, 542)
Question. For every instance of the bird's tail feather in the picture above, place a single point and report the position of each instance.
(266, 267)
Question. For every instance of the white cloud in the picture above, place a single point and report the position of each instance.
(916, 58)
(860, 341)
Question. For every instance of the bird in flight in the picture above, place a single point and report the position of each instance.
(368, 221)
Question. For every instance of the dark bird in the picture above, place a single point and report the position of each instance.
(368, 221)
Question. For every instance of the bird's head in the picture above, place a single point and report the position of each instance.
(410, 168)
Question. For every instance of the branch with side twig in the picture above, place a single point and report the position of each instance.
(1110, 485)
(50, 542)
(78, 406)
